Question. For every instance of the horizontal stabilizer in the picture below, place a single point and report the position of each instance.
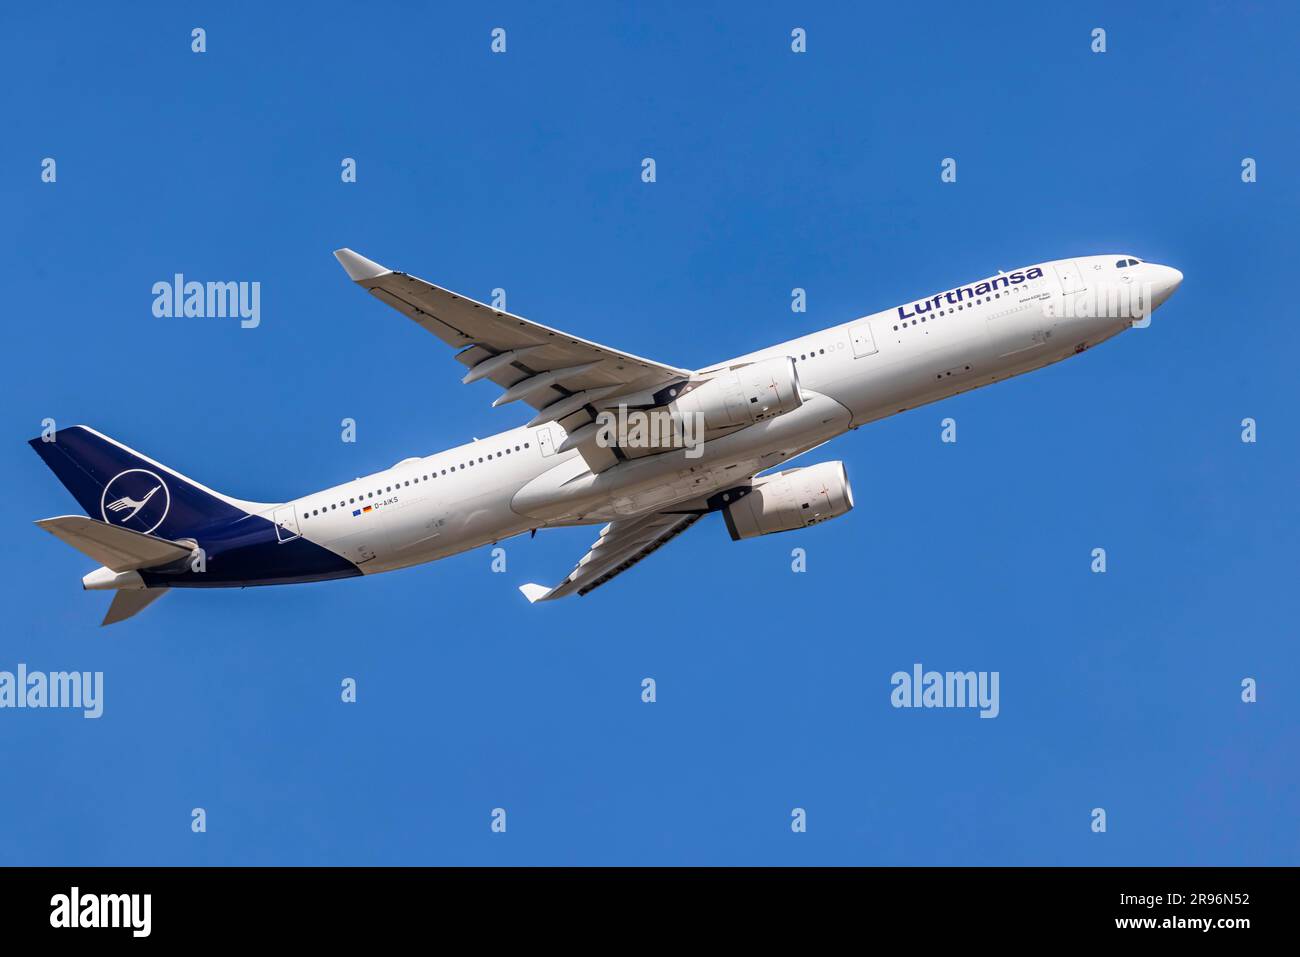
(131, 601)
(118, 548)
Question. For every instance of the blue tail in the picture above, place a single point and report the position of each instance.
(121, 487)
(117, 485)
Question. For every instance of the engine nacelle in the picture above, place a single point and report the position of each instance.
(784, 501)
(743, 395)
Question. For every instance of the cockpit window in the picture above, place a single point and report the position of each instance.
(1127, 262)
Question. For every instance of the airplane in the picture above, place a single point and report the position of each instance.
(591, 454)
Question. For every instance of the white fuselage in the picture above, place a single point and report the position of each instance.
(428, 508)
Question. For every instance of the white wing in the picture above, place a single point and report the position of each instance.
(620, 546)
(565, 378)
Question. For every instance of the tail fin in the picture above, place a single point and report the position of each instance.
(119, 486)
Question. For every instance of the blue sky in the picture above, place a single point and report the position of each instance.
(775, 171)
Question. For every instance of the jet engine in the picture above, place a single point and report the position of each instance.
(784, 501)
(743, 395)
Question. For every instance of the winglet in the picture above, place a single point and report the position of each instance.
(358, 267)
(534, 592)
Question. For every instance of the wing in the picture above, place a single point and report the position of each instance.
(559, 375)
(620, 546)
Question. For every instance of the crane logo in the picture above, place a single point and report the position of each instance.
(137, 499)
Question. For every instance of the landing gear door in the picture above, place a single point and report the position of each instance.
(1070, 277)
(286, 524)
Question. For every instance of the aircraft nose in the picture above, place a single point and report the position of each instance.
(1164, 282)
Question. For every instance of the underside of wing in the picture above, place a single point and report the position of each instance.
(620, 546)
(564, 378)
